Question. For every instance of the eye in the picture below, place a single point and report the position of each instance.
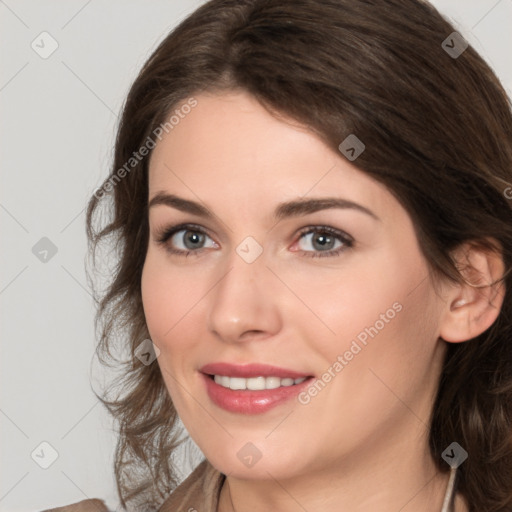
(190, 239)
(324, 240)
(184, 239)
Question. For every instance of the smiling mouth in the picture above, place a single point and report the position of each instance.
(252, 394)
(259, 383)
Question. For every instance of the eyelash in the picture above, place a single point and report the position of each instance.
(164, 235)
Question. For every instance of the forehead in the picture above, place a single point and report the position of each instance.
(230, 147)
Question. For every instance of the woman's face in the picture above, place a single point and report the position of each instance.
(338, 293)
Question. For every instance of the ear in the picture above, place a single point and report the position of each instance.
(473, 306)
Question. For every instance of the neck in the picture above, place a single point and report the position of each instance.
(400, 479)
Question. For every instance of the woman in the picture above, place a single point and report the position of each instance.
(312, 213)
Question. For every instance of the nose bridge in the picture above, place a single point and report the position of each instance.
(243, 300)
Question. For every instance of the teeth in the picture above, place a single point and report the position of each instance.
(255, 383)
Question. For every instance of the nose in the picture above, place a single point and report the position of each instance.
(243, 306)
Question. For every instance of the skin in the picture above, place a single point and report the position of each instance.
(361, 443)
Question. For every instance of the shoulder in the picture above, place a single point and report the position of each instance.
(199, 491)
(91, 505)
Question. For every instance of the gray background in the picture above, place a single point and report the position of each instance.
(59, 116)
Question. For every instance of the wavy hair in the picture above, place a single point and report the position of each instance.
(438, 134)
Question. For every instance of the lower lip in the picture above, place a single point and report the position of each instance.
(246, 401)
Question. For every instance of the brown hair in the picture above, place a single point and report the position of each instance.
(438, 135)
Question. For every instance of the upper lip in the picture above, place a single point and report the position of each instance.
(251, 370)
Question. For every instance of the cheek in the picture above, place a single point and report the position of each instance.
(173, 300)
(166, 302)
(344, 301)
(377, 308)
(390, 349)
(166, 295)
(154, 299)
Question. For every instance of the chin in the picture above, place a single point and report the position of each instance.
(260, 469)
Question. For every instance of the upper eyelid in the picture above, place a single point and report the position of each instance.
(320, 227)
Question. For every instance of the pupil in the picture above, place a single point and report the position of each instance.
(323, 241)
(194, 238)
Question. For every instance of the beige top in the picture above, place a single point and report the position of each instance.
(199, 491)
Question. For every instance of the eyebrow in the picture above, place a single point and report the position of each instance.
(282, 211)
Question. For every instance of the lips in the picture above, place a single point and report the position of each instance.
(251, 401)
(251, 370)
